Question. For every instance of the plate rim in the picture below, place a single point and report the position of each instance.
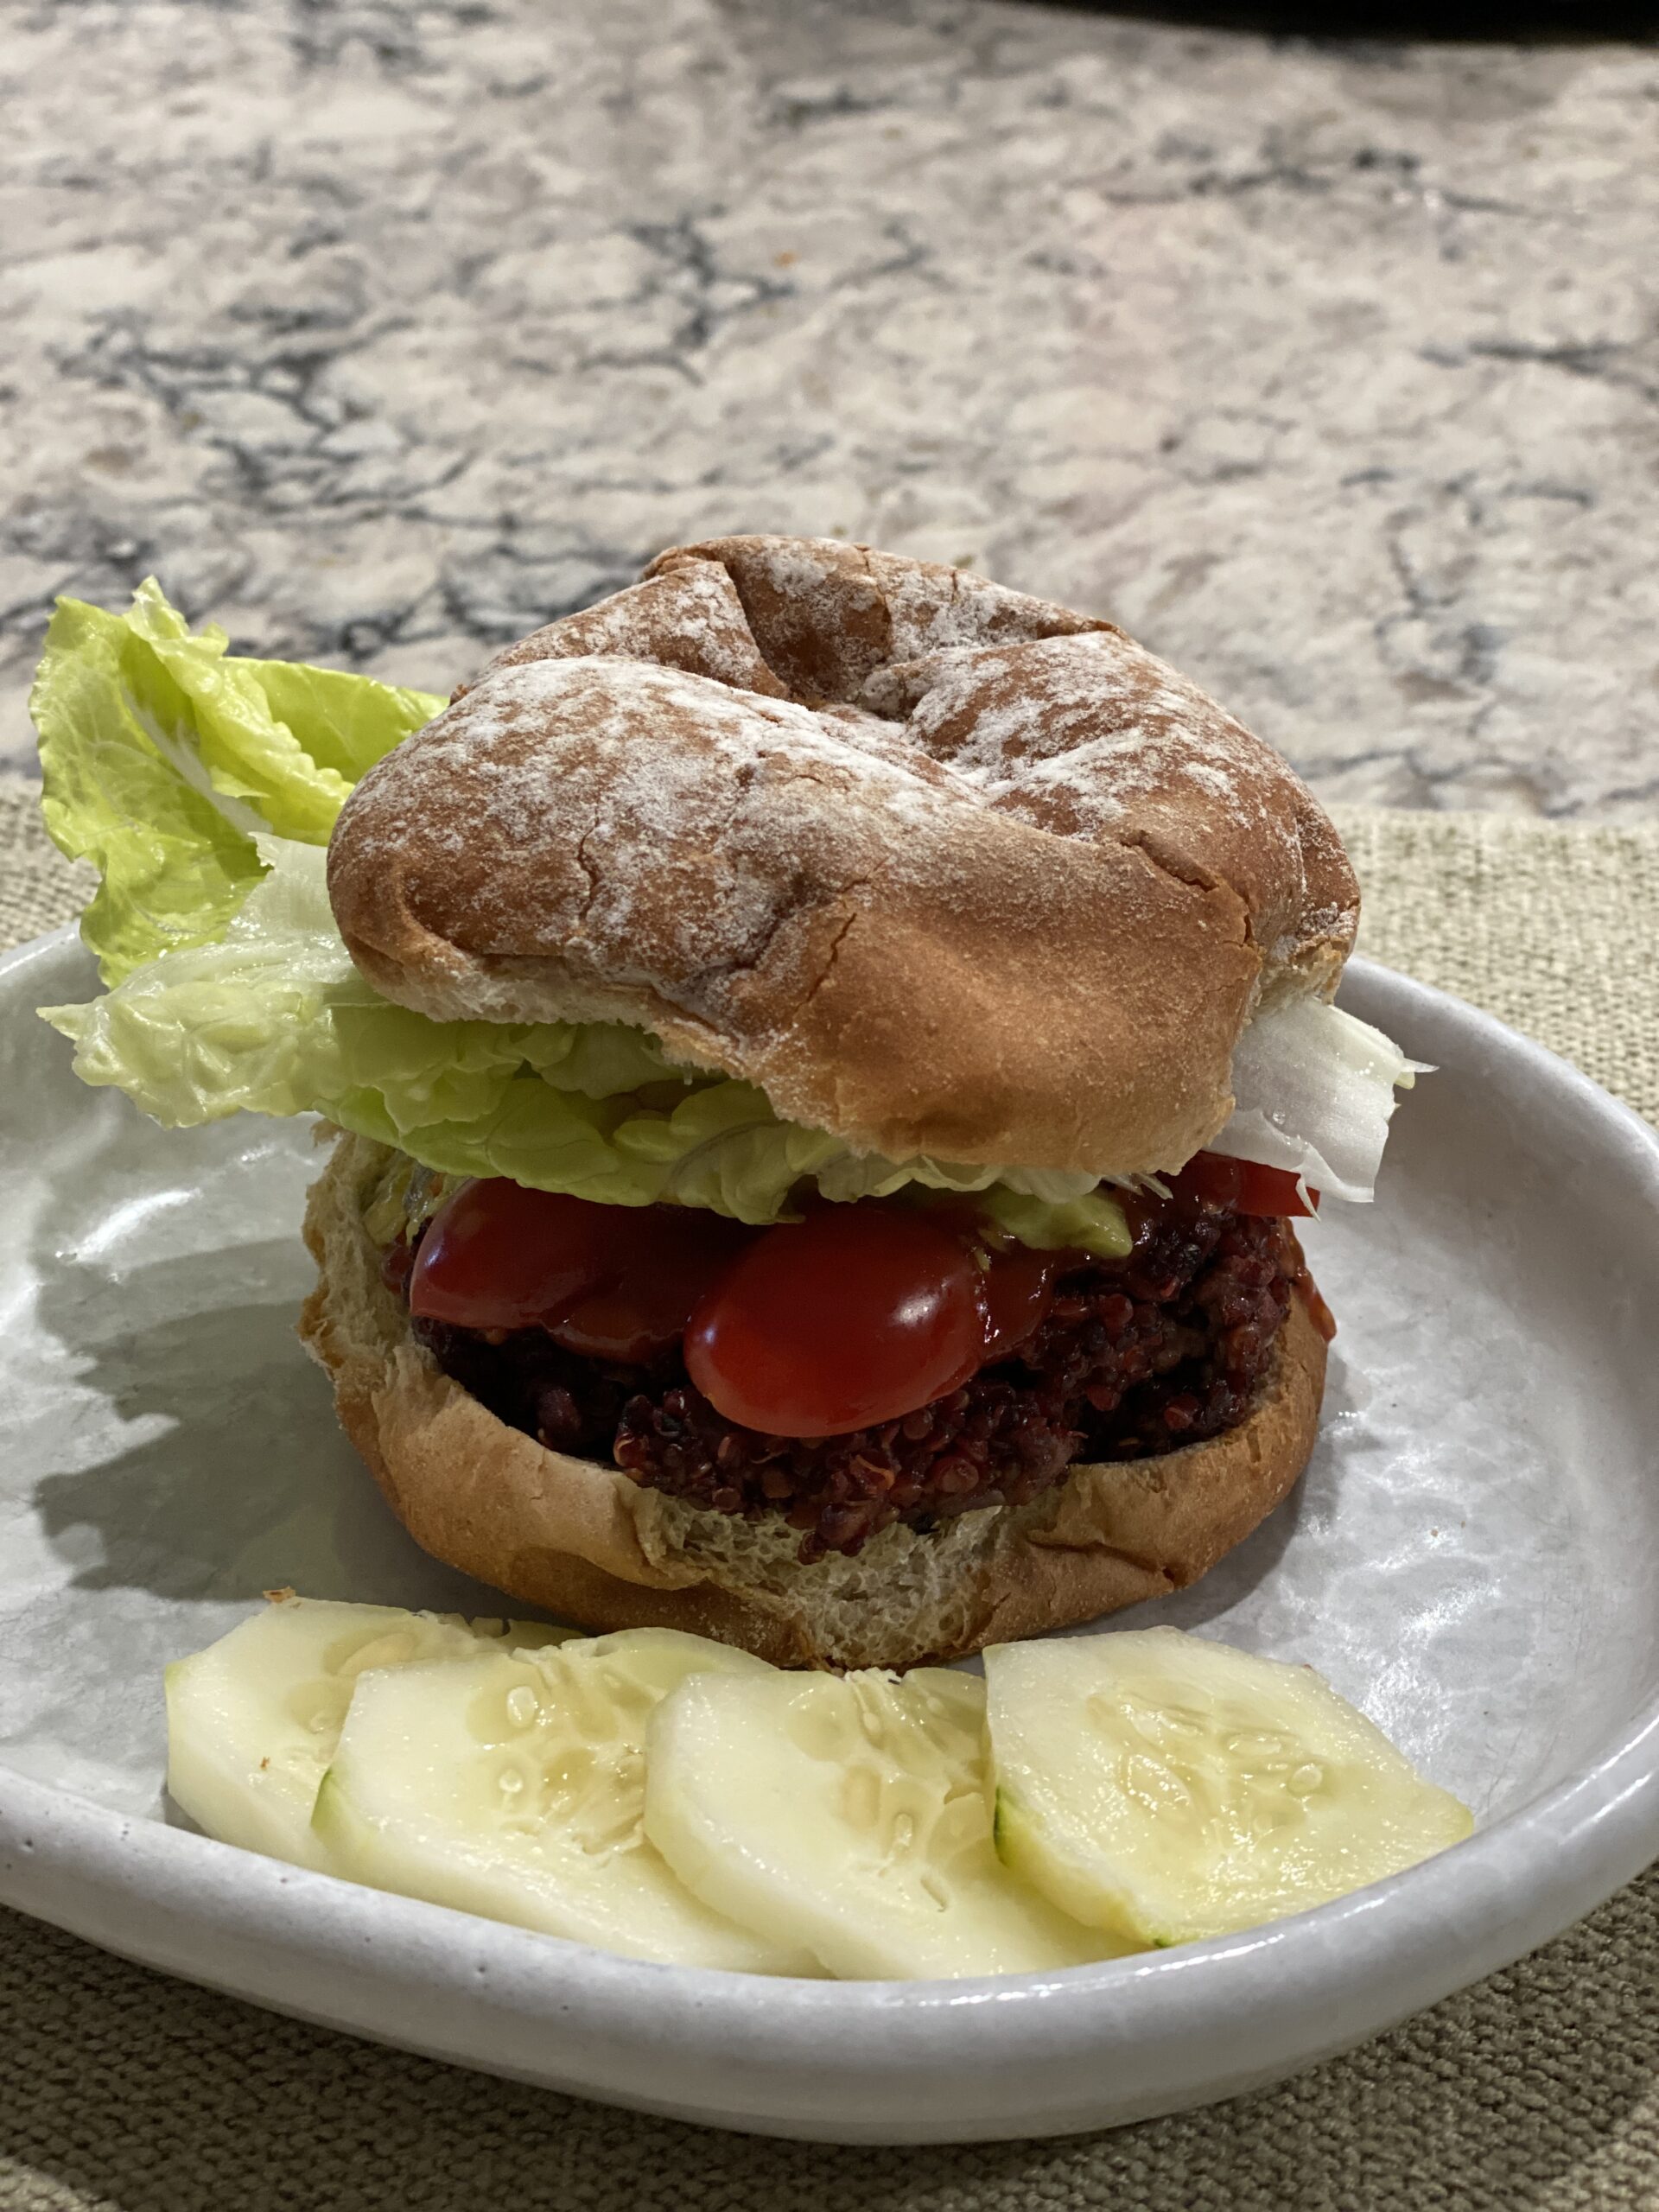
(1406, 1942)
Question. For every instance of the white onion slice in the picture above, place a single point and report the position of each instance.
(1313, 1089)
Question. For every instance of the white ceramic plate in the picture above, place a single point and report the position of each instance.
(1471, 1557)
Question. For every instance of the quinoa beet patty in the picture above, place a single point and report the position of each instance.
(1130, 1358)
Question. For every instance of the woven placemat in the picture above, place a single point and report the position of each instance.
(1538, 2088)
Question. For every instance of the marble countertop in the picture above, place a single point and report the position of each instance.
(381, 332)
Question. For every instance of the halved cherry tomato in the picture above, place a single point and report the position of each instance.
(1015, 1291)
(860, 1314)
(616, 1282)
(857, 1315)
(1015, 1283)
(1242, 1185)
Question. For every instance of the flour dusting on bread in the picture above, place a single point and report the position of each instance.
(940, 867)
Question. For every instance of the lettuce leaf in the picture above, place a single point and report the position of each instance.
(205, 787)
(274, 1019)
(1093, 1223)
(173, 868)
(164, 758)
(345, 721)
(1314, 1093)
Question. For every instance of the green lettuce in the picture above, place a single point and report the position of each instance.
(163, 756)
(272, 1018)
(205, 788)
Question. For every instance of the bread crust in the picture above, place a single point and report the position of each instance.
(583, 1542)
(943, 868)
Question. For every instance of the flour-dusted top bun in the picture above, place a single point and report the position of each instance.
(941, 868)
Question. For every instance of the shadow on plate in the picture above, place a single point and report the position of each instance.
(237, 1478)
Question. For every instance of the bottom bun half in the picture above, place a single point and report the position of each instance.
(584, 1543)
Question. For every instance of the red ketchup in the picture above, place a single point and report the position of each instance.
(1317, 1312)
(615, 1282)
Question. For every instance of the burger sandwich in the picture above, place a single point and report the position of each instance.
(824, 1057)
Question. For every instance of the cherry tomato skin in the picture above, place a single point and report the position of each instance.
(857, 1315)
(1015, 1291)
(1242, 1183)
(495, 1254)
(1015, 1283)
(615, 1282)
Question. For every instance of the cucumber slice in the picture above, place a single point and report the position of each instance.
(850, 1815)
(512, 1786)
(252, 1721)
(1167, 1788)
